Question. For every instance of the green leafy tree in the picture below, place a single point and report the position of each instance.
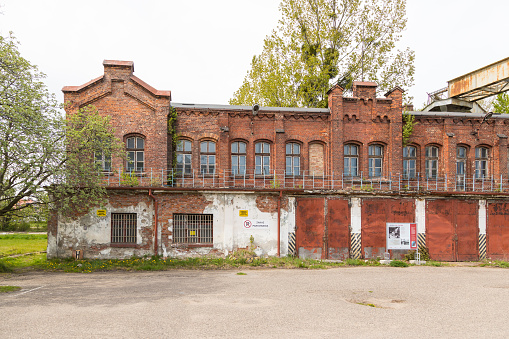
(321, 42)
(38, 147)
(501, 103)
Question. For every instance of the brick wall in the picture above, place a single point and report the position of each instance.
(363, 119)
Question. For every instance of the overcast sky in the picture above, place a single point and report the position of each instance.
(202, 49)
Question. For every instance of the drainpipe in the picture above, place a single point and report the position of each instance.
(156, 252)
(279, 224)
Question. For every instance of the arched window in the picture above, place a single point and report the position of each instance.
(292, 158)
(135, 147)
(184, 157)
(207, 157)
(238, 149)
(481, 162)
(375, 161)
(409, 161)
(431, 161)
(262, 158)
(461, 166)
(351, 160)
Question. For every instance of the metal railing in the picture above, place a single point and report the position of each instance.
(305, 180)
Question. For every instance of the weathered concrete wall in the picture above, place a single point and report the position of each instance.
(92, 234)
(329, 226)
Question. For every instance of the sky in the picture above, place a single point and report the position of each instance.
(201, 50)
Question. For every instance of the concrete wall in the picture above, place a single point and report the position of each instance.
(319, 226)
(92, 234)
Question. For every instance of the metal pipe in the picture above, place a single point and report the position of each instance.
(279, 224)
(156, 252)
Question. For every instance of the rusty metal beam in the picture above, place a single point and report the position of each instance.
(479, 84)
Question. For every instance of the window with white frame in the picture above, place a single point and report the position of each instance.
(481, 162)
(184, 158)
(123, 228)
(262, 158)
(135, 147)
(375, 160)
(207, 157)
(351, 160)
(431, 155)
(238, 149)
(292, 158)
(409, 162)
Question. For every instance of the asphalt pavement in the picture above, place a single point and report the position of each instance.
(349, 302)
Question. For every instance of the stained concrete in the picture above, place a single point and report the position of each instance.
(417, 302)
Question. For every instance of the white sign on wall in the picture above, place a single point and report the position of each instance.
(401, 236)
(256, 224)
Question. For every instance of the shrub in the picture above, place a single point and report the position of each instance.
(398, 263)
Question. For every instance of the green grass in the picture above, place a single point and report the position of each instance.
(22, 243)
(398, 263)
(5, 289)
(496, 263)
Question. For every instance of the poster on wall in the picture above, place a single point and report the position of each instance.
(401, 236)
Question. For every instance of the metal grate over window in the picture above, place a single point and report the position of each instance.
(123, 228)
(192, 228)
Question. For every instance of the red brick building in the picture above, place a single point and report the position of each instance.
(285, 155)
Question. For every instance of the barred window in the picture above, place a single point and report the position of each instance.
(192, 228)
(123, 228)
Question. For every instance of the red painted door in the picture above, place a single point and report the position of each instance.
(452, 229)
(497, 230)
(338, 222)
(375, 214)
(309, 227)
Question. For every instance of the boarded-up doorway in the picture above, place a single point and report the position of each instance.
(452, 229)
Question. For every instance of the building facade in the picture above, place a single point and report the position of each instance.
(314, 182)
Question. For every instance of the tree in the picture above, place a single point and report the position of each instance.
(501, 103)
(38, 146)
(322, 42)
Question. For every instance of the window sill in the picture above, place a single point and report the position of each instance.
(123, 245)
(194, 245)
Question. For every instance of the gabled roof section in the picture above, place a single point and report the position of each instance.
(394, 89)
(82, 87)
(334, 87)
(150, 88)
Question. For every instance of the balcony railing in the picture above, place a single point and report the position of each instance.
(304, 180)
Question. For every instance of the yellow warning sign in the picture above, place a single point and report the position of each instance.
(243, 213)
(101, 213)
(192, 232)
